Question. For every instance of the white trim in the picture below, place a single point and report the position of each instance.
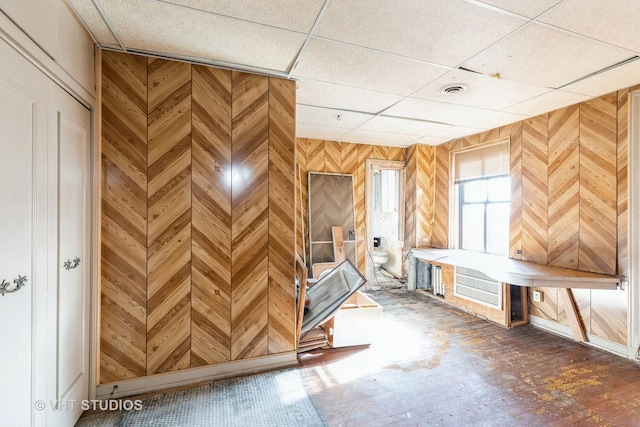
(21, 42)
(634, 223)
(565, 332)
(196, 375)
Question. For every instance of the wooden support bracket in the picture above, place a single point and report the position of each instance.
(572, 315)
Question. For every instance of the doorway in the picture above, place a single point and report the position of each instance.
(384, 217)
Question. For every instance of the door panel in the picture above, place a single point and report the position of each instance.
(70, 374)
(17, 139)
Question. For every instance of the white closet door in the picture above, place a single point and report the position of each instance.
(23, 104)
(69, 291)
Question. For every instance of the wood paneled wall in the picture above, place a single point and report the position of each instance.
(198, 216)
(568, 201)
(315, 155)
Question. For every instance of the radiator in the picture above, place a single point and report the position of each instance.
(438, 287)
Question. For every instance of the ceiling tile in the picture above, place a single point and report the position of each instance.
(88, 13)
(364, 68)
(614, 22)
(404, 126)
(482, 91)
(452, 114)
(322, 94)
(431, 140)
(177, 30)
(295, 15)
(547, 102)
(330, 117)
(306, 130)
(530, 9)
(542, 56)
(417, 28)
(456, 132)
(618, 78)
(379, 138)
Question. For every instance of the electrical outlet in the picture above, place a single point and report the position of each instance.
(537, 296)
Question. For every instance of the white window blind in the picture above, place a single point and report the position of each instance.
(482, 162)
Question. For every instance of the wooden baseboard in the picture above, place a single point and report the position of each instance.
(196, 375)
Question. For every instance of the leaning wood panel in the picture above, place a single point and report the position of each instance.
(282, 313)
(250, 208)
(440, 235)
(211, 216)
(301, 197)
(364, 152)
(534, 189)
(410, 199)
(564, 188)
(623, 183)
(514, 133)
(425, 161)
(598, 179)
(123, 263)
(169, 220)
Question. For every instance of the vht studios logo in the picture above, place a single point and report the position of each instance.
(93, 404)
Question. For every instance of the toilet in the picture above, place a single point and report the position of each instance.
(379, 257)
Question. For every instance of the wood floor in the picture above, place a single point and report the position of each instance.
(433, 365)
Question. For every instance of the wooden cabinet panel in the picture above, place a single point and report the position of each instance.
(534, 189)
(250, 210)
(598, 179)
(564, 188)
(281, 215)
(169, 219)
(211, 219)
(123, 315)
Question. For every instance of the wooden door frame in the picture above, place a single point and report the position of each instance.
(368, 200)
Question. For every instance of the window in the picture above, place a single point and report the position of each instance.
(483, 192)
(484, 215)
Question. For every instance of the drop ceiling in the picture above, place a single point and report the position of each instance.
(372, 71)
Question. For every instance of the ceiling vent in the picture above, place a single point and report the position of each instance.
(453, 89)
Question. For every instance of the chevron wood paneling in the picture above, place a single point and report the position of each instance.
(582, 300)
(623, 183)
(169, 219)
(332, 157)
(315, 155)
(381, 152)
(609, 316)
(301, 202)
(410, 199)
(548, 307)
(534, 189)
(282, 126)
(250, 209)
(490, 135)
(598, 179)
(440, 234)
(123, 313)
(364, 152)
(211, 216)
(425, 177)
(564, 187)
(514, 133)
(396, 153)
(349, 158)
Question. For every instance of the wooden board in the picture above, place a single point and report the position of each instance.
(364, 152)
(250, 209)
(598, 179)
(622, 267)
(564, 187)
(410, 199)
(211, 219)
(169, 217)
(440, 235)
(282, 317)
(425, 178)
(514, 133)
(123, 245)
(534, 189)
